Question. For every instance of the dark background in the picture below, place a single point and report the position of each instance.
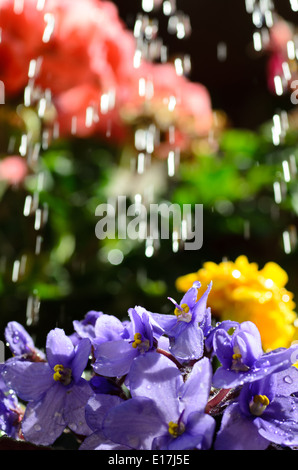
(238, 85)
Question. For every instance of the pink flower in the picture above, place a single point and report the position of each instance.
(85, 63)
(278, 64)
(280, 34)
(86, 59)
(13, 169)
(83, 48)
(172, 101)
(79, 114)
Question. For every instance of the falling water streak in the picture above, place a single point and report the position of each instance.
(40, 5)
(73, 125)
(49, 29)
(279, 128)
(171, 163)
(221, 51)
(30, 149)
(169, 7)
(15, 271)
(11, 144)
(262, 19)
(277, 192)
(291, 50)
(257, 41)
(175, 240)
(287, 242)
(293, 166)
(249, 5)
(32, 310)
(151, 48)
(148, 5)
(18, 6)
(23, 145)
(294, 5)
(149, 248)
(39, 240)
(246, 230)
(278, 85)
(286, 171)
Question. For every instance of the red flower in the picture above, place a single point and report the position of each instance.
(21, 38)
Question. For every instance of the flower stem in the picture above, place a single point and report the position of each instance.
(169, 356)
(221, 395)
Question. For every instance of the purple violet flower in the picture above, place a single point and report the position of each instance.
(114, 358)
(11, 412)
(96, 409)
(183, 328)
(55, 391)
(259, 417)
(85, 327)
(20, 342)
(242, 358)
(109, 328)
(164, 412)
(227, 325)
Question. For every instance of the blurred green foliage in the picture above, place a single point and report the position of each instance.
(72, 273)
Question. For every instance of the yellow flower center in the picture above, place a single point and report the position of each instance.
(236, 356)
(237, 362)
(58, 372)
(259, 404)
(62, 374)
(138, 342)
(182, 313)
(176, 429)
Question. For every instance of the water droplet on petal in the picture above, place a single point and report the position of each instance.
(16, 338)
(288, 379)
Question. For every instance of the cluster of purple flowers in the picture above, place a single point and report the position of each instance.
(151, 382)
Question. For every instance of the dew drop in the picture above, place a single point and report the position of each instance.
(288, 379)
(16, 338)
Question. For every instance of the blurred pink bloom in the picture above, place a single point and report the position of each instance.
(275, 69)
(82, 45)
(13, 169)
(281, 33)
(172, 101)
(86, 59)
(79, 114)
(21, 39)
(85, 63)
